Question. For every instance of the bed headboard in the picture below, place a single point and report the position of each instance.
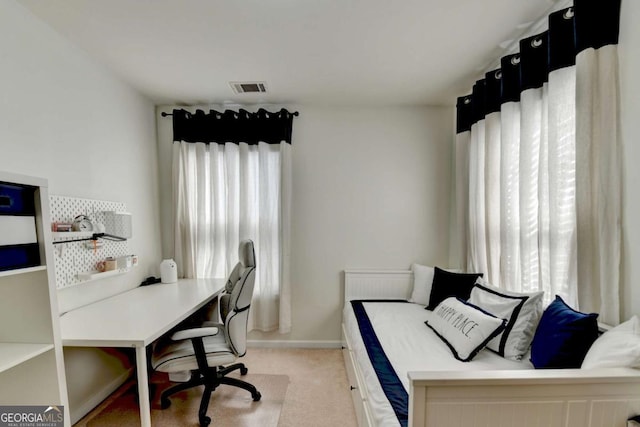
(377, 284)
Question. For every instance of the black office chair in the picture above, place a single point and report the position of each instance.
(208, 350)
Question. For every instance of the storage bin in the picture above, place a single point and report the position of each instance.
(19, 256)
(17, 199)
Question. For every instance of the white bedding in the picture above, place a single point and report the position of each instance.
(410, 346)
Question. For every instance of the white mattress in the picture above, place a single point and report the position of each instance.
(410, 345)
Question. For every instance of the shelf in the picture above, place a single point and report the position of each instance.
(22, 270)
(83, 236)
(61, 236)
(13, 354)
(97, 275)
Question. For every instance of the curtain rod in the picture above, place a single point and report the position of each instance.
(163, 114)
(512, 46)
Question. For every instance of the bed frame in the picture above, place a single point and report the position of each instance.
(552, 397)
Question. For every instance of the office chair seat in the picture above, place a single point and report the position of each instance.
(177, 356)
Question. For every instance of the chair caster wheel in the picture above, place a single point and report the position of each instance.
(243, 371)
(205, 421)
(257, 396)
(165, 403)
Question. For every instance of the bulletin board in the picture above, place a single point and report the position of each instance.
(81, 257)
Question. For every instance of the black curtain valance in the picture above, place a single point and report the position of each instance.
(588, 24)
(233, 126)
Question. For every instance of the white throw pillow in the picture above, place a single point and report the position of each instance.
(422, 281)
(616, 348)
(465, 328)
(523, 327)
(500, 305)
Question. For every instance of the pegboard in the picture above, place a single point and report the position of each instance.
(73, 258)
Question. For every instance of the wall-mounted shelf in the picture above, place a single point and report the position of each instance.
(97, 275)
(13, 354)
(61, 236)
(83, 236)
(22, 271)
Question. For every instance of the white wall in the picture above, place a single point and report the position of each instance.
(629, 50)
(371, 189)
(66, 118)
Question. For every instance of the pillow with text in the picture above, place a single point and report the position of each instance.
(463, 327)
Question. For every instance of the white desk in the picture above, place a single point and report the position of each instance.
(137, 318)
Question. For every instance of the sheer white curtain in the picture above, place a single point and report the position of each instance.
(460, 205)
(517, 184)
(477, 215)
(599, 164)
(224, 193)
(510, 197)
(560, 224)
(542, 176)
(492, 146)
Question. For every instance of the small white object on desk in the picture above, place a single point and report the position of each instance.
(168, 271)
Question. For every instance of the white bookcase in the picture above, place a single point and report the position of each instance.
(31, 359)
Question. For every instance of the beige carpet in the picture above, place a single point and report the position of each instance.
(229, 406)
(316, 394)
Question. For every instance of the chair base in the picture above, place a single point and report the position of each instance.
(211, 380)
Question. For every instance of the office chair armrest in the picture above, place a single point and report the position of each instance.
(194, 333)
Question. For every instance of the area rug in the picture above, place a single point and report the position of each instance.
(229, 406)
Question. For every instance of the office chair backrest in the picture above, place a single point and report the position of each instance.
(234, 305)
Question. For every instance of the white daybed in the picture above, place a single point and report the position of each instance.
(490, 391)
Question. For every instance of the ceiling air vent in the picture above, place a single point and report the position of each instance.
(248, 87)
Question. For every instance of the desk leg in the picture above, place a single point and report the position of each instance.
(143, 386)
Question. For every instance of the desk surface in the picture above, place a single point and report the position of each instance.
(137, 317)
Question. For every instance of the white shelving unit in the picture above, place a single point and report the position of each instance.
(31, 359)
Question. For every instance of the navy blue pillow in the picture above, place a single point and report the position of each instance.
(447, 284)
(563, 336)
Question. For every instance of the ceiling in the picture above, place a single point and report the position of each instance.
(327, 52)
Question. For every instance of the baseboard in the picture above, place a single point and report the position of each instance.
(293, 344)
(94, 400)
